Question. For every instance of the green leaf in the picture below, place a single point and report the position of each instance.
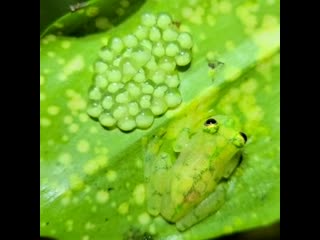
(86, 17)
(92, 178)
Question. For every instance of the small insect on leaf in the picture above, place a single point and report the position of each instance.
(215, 64)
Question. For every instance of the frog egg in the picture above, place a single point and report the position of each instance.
(158, 76)
(167, 64)
(151, 65)
(158, 49)
(140, 77)
(148, 19)
(173, 98)
(172, 81)
(116, 62)
(122, 97)
(164, 21)
(106, 119)
(154, 34)
(140, 56)
(127, 53)
(169, 35)
(114, 75)
(133, 90)
(107, 102)
(158, 106)
(100, 67)
(141, 32)
(100, 81)
(147, 44)
(119, 111)
(106, 54)
(160, 91)
(172, 49)
(144, 119)
(95, 93)
(145, 101)
(130, 41)
(116, 45)
(147, 87)
(133, 108)
(127, 123)
(114, 87)
(185, 40)
(183, 58)
(94, 109)
(128, 70)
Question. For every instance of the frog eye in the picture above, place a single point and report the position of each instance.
(211, 125)
(210, 121)
(239, 140)
(244, 136)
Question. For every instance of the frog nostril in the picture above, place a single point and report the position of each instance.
(244, 136)
(210, 121)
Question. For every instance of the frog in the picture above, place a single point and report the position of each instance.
(186, 176)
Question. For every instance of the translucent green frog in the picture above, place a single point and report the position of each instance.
(185, 178)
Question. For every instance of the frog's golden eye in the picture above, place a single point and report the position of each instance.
(239, 140)
(210, 121)
(244, 136)
(211, 125)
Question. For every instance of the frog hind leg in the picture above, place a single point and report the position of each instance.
(206, 208)
(156, 176)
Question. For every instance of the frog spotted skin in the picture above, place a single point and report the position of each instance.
(185, 178)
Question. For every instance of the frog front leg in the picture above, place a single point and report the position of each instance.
(182, 140)
(157, 165)
(207, 207)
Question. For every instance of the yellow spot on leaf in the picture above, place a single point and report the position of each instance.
(144, 218)
(249, 86)
(65, 200)
(93, 165)
(67, 119)
(65, 44)
(65, 159)
(53, 110)
(73, 128)
(42, 96)
(76, 183)
(103, 23)
(61, 61)
(85, 237)
(69, 225)
(76, 64)
(51, 54)
(111, 175)
(227, 229)
(83, 146)
(102, 196)
(89, 226)
(41, 80)
(125, 3)
(211, 20)
(94, 208)
(225, 7)
(45, 122)
(83, 117)
(76, 103)
(123, 208)
(92, 11)
(139, 194)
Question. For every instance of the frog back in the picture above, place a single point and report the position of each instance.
(198, 170)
